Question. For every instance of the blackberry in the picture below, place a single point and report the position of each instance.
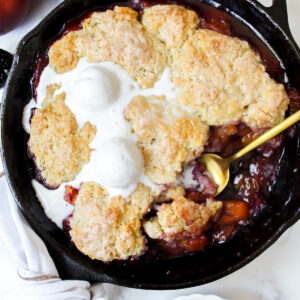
(6, 60)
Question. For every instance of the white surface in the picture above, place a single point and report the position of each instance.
(275, 275)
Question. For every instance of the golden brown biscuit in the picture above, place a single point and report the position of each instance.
(107, 228)
(223, 80)
(182, 215)
(59, 148)
(63, 55)
(168, 136)
(171, 24)
(116, 36)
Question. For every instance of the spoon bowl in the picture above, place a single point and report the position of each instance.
(218, 168)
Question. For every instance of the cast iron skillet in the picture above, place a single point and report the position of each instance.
(217, 261)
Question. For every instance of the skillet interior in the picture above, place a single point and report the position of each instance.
(217, 261)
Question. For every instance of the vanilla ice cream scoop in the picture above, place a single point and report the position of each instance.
(94, 88)
(119, 163)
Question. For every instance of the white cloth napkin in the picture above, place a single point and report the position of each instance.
(38, 276)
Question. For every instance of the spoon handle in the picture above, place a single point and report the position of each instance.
(294, 118)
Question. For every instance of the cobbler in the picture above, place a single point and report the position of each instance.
(221, 98)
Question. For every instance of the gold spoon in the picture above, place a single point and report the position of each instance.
(218, 167)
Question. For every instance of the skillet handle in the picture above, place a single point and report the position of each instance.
(279, 14)
(278, 11)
